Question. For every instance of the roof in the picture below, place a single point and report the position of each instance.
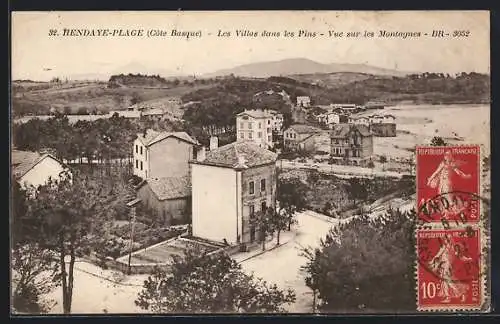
(23, 161)
(304, 129)
(170, 187)
(341, 130)
(229, 155)
(153, 111)
(154, 137)
(307, 138)
(256, 113)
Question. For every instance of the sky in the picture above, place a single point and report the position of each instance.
(38, 56)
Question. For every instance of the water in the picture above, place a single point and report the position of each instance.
(417, 124)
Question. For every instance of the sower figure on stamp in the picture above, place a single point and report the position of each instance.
(442, 265)
(441, 178)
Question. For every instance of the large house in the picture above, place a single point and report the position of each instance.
(168, 198)
(299, 137)
(35, 169)
(383, 125)
(163, 154)
(331, 118)
(255, 126)
(360, 121)
(351, 144)
(229, 187)
(303, 101)
(277, 121)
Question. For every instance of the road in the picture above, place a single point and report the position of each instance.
(340, 170)
(282, 265)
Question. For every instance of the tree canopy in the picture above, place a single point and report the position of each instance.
(365, 264)
(201, 283)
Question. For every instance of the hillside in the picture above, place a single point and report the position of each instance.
(300, 66)
(332, 80)
(81, 96)
(220, 98)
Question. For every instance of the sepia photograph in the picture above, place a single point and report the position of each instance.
(238, 162)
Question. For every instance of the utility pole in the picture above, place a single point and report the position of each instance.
(132, 205)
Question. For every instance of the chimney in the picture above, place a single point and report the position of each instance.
(241, 161)
(201, 155)
(214, 143)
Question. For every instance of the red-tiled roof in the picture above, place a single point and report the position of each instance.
(304, 129)
(256, 113)
(154, 137)
(23, 161)
(170, 187)
(341, 130)
(247, 152)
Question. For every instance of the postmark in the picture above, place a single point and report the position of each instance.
(449, 269)
(448, 183)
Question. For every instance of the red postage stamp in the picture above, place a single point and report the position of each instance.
(449, 269)
(448, 183)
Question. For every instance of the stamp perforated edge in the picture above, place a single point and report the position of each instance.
(484, 231)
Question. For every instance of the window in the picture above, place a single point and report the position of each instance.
(146, 155)
(263, 206)
(141, 165)
(251, 189)
(146, 173)
(268, 122)
(269, 138)
(137, 163)
(249, 125)
(242, 125)
(260, 125)
(250, 135)
(336, 141)
(294, 135)
(251, 211)
(141, 149)
(263, 185)
(269, 130)
(259, 134)
(136, 149)
(242, 135)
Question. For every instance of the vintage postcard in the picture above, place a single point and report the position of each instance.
(275, 162)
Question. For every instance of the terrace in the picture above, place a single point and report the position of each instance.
(161, 254)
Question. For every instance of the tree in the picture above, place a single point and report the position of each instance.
(200, 283)
(357, 189)
(438, 141)
(33, 268)
(66, 217)
(279, 222)
(265, 223)
(34, 274)
(383, 160)
(365, 264)
(291, 195)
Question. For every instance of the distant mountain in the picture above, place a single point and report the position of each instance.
(300, 66)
